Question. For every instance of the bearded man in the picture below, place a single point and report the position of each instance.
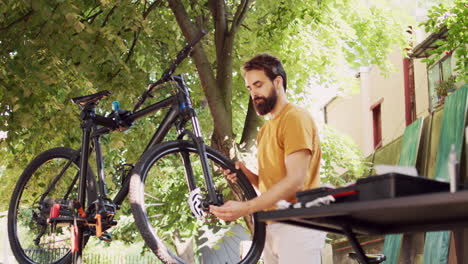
(288, 161)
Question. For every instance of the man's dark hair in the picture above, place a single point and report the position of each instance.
(270, 64)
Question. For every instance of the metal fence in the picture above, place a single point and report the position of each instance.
(45, 255)
(116, 259)
(41, 255)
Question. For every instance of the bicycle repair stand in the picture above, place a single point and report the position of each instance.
(359, 253)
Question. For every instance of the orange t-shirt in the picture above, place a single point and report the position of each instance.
(292, 130)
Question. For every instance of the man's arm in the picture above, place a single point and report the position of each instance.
(252, 177)
(297, 164)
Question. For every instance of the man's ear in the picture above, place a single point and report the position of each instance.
(279, 81)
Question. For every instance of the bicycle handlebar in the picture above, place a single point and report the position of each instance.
(166, 76)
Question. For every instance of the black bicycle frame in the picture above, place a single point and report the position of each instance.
(180, 112)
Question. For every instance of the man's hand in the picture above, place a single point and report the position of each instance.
(231, 210)
(232, 176)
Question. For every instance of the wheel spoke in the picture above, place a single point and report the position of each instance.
(153, 204)
(56, 179)
(155, 216)
(149, 195)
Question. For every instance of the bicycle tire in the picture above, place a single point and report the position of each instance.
(23, 228)
(142, 182)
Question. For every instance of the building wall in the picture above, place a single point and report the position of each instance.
(421, 88)
(338, 116)
(391, 89)
(352, 114)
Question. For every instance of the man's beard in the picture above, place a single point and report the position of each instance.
(264, 105)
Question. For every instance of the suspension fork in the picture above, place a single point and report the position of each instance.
(185, 107)
(214, 198)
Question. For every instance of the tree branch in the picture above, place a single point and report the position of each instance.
(25, 18)
(212, 7)
(218, 9)
(242, 25)
(240, 15)
(92, 17)
(115, 74)
(218, 111)
(151, 7)
(40, 29)
(135, 39)
(108, 16)
(45, 22)
(137, 33)
(200, 19)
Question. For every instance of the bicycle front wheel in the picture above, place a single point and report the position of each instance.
(159, 198)
(52, 177)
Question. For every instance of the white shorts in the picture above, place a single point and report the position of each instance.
(286, 244)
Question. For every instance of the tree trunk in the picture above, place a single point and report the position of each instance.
(218, 90)
(222, 131)
(250, 131)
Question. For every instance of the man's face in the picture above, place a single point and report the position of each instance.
(262, 90)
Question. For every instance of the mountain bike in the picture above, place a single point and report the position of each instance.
(59, 202)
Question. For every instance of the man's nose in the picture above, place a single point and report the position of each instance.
(253, 94)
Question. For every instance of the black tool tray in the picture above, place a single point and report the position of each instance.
(344, 194)
(392, 185)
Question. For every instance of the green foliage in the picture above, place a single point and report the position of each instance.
(53, 51)
(453, 18)
(342, 161)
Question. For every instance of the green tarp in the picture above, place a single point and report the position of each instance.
(408, 157)
(392, 248)
(453, 126)
(436, 247)
(410, 145)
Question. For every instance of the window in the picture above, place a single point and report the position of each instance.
(440, 71)
(377, 123)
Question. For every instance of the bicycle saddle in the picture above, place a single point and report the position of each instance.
(92, 98)
(372, 258)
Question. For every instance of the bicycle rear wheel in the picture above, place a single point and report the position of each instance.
(52, 177)
(159, 198)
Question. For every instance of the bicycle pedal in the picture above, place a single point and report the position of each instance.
(106, 237)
